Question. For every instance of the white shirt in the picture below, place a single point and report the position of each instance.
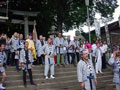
(94, 47)
(99, 53)
(103, 49)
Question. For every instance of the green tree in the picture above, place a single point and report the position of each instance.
(64, 14)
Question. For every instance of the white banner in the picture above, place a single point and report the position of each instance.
(107, 34)
(97, 29)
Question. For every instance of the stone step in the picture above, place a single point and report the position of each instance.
(106, 77)
(38, 67)
(59, 84)
(62, 85)
(40, 75)
(41, 80)
(14, 72)
(40, 71)
(111, 86)
(57, 74)
(63, 77)
(105, 73)
(66, 79)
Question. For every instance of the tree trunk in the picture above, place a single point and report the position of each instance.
(59, 15)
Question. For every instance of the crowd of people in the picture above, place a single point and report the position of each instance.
(16, 51)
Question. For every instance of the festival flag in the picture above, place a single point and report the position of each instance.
(34, 32)
(97, 29)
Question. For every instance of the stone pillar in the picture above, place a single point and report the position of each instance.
(26, 26)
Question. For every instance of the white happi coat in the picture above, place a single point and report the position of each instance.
(59, 41)
(39, 48)
(3, 59)
(50, 51)
(83, 71)
(14, 42)
(69, 49)
(76, 45)
(113, 62)
(96, 53)
(23, 59)
(20, 47)
(94, 46)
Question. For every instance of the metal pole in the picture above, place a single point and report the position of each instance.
(88, 22)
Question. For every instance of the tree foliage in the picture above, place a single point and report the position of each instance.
(63, 14)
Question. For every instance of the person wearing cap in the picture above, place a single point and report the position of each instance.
(86, 73)
(49, 52)
(3, 59)
(31, 46)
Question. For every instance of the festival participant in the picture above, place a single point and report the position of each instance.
(44, 40)
(31, 46)
(3, 38)
(106, 50)
(7, 51)
(81, 49)
(26, 61)
(76, 48)
(86, 73)
(49, 52)
(98, 59)
(70, 49)
(59, 44)
(94, 46)
(3, 59)
(114, 61)
(17, 53)
(21, 41)
(88, 45)
(14, 46)
(20, 47)
(103, 49)
(39, 49)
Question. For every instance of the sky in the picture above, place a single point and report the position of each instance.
(85, 28)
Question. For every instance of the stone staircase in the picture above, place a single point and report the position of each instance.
(66, 79)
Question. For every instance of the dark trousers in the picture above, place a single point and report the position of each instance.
(78, 56)
(73, 58)
(103, 61)
(30, 76)
(41, 59)
(12, 59)
(8, 57)
(17, 63)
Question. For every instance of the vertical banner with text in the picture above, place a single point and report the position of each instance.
(97, 29)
